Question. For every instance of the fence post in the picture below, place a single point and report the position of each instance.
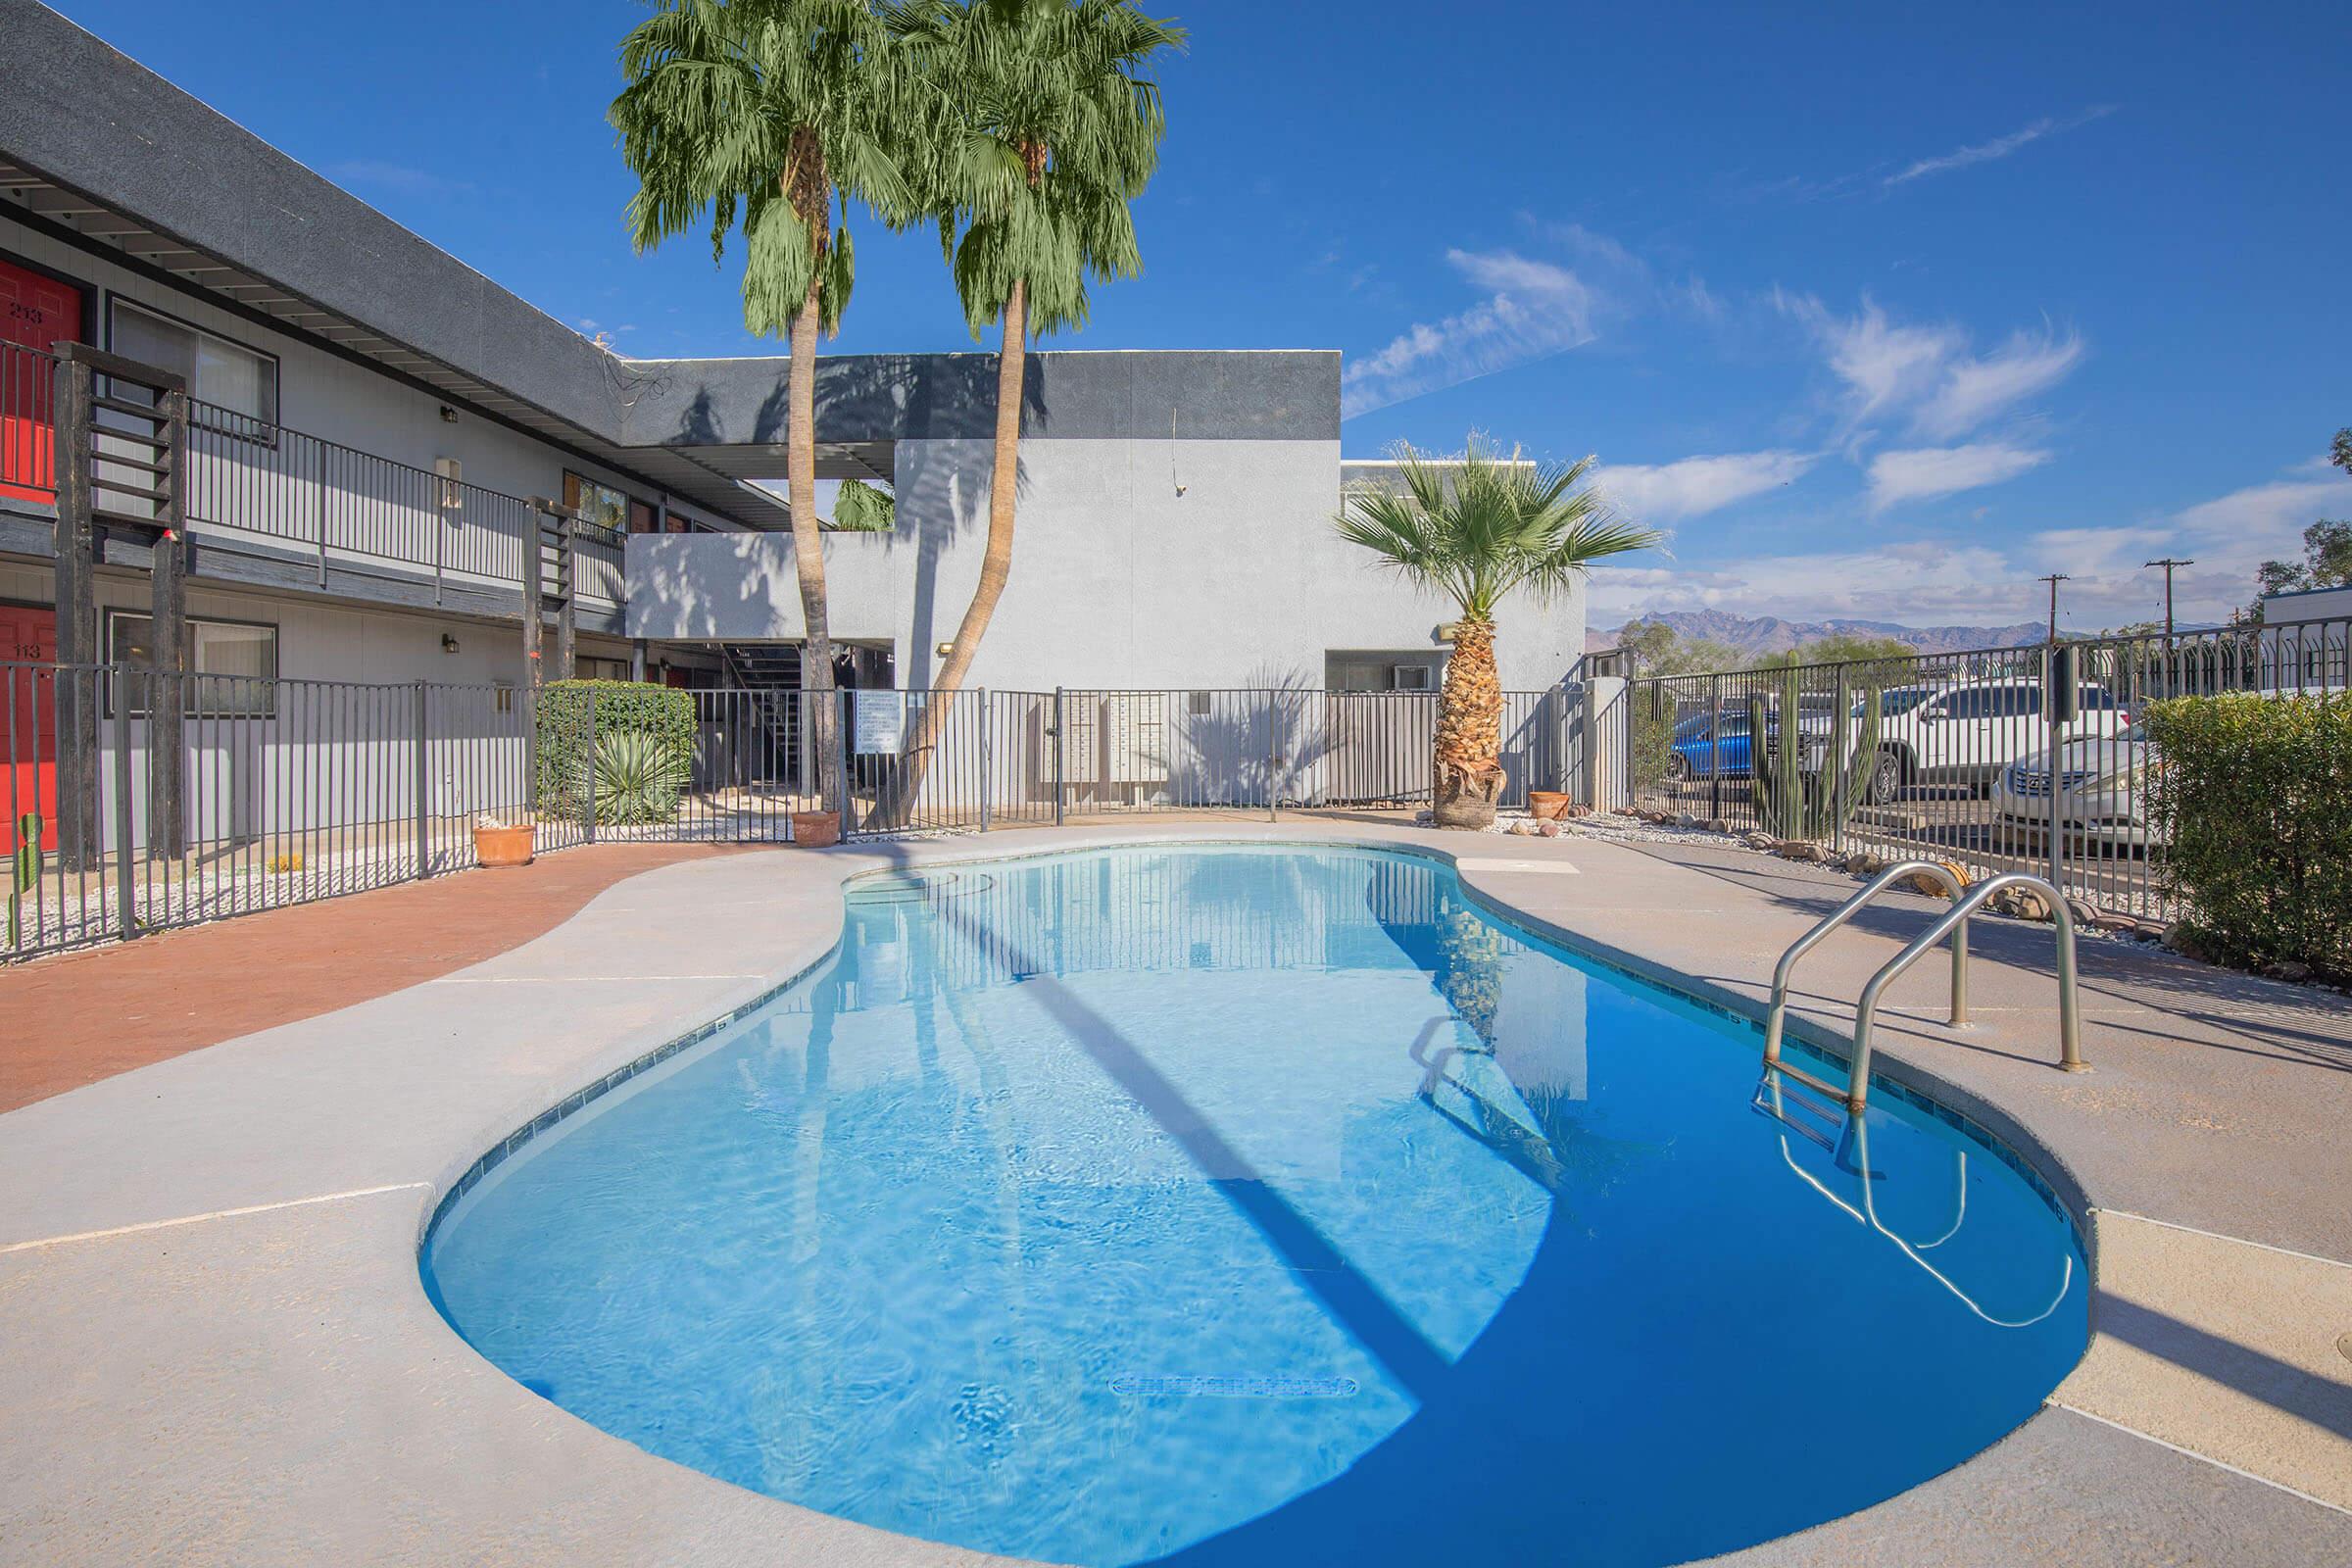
(2054, 669)
(126, 896)
(1058, 767)
(986, 730)
(1715, 748)
(424, 831)
(588, 832)
(845, 715)
(80, 833)
(1273, 758)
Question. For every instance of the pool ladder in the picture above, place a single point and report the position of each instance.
(1952, 924)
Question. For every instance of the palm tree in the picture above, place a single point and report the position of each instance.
(1475, 531)
(779, 111)
(1054, 127)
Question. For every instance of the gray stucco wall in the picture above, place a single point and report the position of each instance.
(1118, 579)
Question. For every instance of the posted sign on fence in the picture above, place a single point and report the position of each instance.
(880, 722)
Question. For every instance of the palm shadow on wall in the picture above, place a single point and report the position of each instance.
(928, 397)
(1256, 746)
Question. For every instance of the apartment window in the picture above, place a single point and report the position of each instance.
(596, 503)
(240, 658)
(227, 375)
(642, 518)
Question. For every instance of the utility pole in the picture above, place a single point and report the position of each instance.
(2167, 564)
(2054, 579)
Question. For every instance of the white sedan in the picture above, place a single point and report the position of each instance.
(2102, 793)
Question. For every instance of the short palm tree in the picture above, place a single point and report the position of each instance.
(1477, 530)
(1051, 128)
(778, 111)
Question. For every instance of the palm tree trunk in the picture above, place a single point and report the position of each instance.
(1466, 768)
(807, 187)
(808, 554)
(995, 568)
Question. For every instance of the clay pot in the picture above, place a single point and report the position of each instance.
(503, 846)
(1546, 805)
(817, 830)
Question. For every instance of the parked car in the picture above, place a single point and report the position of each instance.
(1704, 742)
(1970, 733)
(2102, 793)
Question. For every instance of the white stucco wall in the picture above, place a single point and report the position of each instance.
(1136, 563)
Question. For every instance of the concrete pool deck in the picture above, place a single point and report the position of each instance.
(218, 1350)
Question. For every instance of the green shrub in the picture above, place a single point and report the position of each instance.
(644, 750)
(1651, 736)
(2255, 794)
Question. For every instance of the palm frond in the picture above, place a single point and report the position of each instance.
(1480, 527)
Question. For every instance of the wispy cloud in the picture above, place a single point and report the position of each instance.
(1974, 390)
(401, 177)
(1668, 492)
(1924, 474)
(1890, 367)
(1884, 365)
(1985, 152)
(1531, 309)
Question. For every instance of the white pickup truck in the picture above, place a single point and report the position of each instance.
(1966, 733)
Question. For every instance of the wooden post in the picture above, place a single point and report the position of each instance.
(168, 592)
(78, 688)
(567, 544)
(532, 599)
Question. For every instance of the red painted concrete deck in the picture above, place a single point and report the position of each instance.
(82, 1016)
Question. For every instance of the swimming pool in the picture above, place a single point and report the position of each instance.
(1237, 1205)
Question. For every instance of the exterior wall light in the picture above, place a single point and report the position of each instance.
(1447, 632)
(449, 415)
(449, 643)
(944, 650)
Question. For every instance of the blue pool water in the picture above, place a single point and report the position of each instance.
(1253, 1205)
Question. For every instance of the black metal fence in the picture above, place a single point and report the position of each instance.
(2015, 758)
(288, 791)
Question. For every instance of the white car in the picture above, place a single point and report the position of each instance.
(2102, 793)
(1971, 732)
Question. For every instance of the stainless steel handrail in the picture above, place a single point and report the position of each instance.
(1775, 1019)
(2069, 1022)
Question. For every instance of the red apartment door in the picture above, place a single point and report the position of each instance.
(35, 313)
(27, 720)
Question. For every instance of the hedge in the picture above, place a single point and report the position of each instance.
(2256, 795)
(620, 708)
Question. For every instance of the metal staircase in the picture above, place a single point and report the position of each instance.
(769, 676)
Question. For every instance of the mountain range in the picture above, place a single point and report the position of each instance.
(1752, 635)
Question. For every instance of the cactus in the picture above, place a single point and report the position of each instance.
(26, 872)
(1791, 804)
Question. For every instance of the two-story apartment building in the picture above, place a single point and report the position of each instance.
(370, 418)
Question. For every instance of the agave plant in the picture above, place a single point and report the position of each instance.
(637, 778)
(25, 872)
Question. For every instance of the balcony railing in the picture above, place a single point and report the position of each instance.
(316, 501)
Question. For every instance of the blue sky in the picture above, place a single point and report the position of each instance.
(1882, 314)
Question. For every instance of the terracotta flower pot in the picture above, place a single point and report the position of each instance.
(1546, 805)
(816, 830)
(503, 846)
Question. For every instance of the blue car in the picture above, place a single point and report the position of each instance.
(1698, 748)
